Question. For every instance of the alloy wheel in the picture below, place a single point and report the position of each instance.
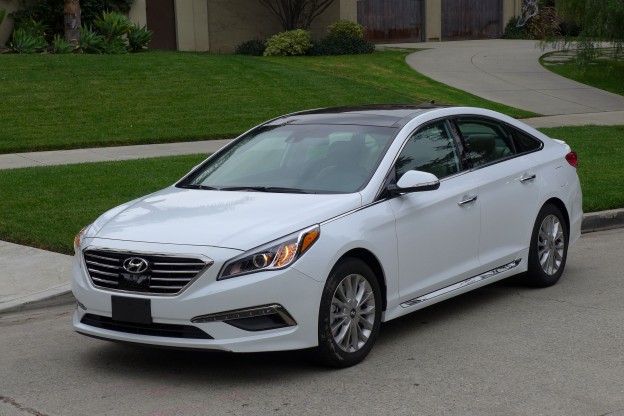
(550, 244)
(352, 315)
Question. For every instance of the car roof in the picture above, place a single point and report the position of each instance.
(382, 115)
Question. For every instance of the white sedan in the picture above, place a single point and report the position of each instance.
(313, 228)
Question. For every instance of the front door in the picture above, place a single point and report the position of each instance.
(437, 231)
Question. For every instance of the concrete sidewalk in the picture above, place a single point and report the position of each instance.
(106, 154)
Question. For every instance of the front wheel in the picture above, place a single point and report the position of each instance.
(349, 315)
(549, 247)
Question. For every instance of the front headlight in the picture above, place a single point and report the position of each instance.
(273, 256)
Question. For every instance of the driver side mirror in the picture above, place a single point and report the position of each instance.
(414, 181)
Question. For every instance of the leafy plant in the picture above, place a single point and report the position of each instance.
(60, 45)
(91, 10)
(346, 28)
(90, 41)
(25, 42)
(138, 38)
(2, 14)
(254, 47)
(112, 25)
(293, 42)
(51, 11)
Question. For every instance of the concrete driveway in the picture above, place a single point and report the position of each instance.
(509, 72)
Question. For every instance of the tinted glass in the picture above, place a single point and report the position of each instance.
(313, 158)
(524, 142)
(486, 141)
(431, 149)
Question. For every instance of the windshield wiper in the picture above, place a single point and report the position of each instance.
(275, 189)
(204, 187)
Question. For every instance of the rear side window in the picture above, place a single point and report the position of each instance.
(524, 142)
(486, 141)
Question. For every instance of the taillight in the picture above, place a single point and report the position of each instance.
(572, 159)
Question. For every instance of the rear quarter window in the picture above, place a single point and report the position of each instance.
(524, 142)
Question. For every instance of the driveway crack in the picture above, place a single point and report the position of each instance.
(18, 406)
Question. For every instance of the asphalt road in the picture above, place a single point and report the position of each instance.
(501, 350)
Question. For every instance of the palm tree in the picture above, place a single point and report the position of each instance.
(72, 21)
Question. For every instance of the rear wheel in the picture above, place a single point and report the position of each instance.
(549, 247)
(349, 315)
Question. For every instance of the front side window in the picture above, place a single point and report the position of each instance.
(299, 158)
(486, 141)
(431, 149)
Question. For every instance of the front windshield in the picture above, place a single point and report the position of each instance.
(297, 158)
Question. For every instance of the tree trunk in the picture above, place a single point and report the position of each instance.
(72, 21)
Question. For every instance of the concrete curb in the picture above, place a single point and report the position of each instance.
(603, 220)
(61, 294)
(58, 295)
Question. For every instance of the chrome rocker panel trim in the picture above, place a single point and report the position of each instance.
(464, 283)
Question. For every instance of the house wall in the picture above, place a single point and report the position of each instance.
(192, 25)
(137, 13)
(6, 27)
(511, 8)
(433, 22)
(232, 22)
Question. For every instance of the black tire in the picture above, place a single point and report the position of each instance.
(361, 319)
(548, 252)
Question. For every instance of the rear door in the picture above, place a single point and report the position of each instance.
(509, 188)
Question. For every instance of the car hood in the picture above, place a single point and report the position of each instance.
(231, 219)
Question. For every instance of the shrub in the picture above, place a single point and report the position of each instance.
(138, 38)
(513, 31)
(90, 42)
(254, 47)
(346, 28)
(60, 45)
(112, 25)
(292, 42)
(91, 10)
(342, 45)
(26, 42)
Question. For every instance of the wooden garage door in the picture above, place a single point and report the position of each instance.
(392, 20)
(472, 19)
(161, 20)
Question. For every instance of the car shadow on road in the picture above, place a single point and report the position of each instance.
(197, 365)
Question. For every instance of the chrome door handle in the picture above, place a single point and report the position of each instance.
(527, 178)
(467, 200)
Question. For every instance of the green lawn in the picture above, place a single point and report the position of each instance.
(603, 73)
(75, 101)
(601, 157)
(45, 206)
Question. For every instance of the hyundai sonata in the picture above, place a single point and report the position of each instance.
(313, 228)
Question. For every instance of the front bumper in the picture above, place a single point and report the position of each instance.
(297, 294)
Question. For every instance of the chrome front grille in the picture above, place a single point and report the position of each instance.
(165, 274)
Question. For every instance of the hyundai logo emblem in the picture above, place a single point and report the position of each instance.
(135, 265)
